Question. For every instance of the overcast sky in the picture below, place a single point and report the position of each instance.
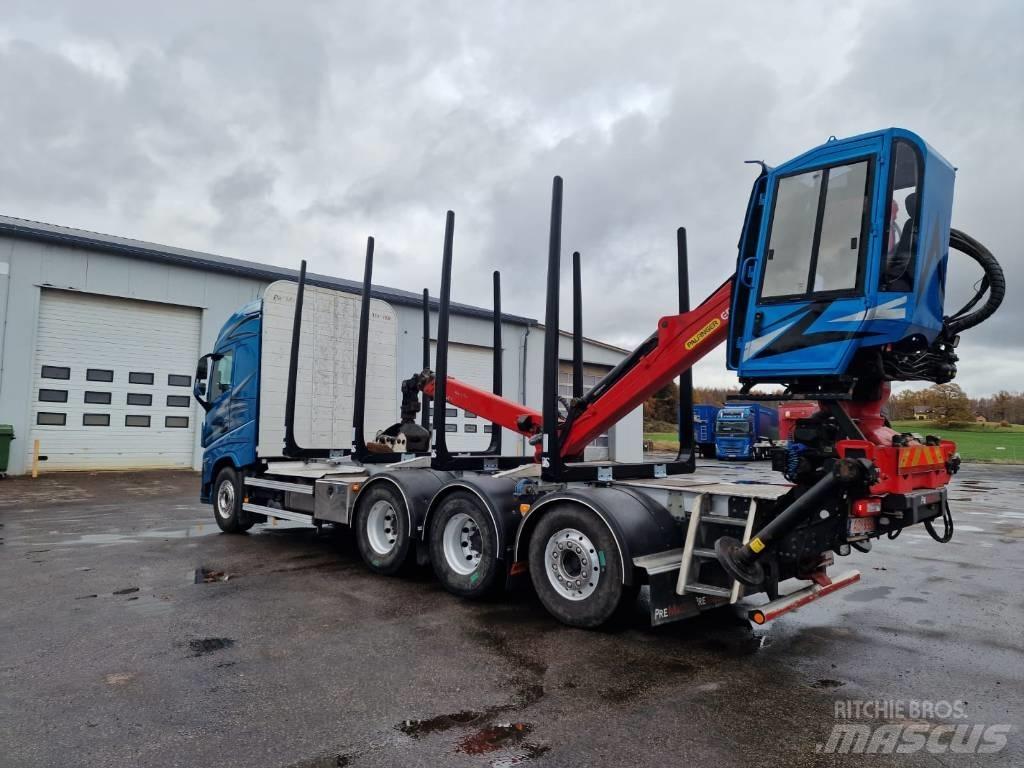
(275, 132)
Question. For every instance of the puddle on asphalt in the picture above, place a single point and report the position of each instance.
(417, 729)
(131, 538)
(827, 683)
(208, 576)
(491, 738)
(525, 753)
(204, 645)
(191, 532)
(869, 594)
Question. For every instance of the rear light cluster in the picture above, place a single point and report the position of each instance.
(869, 507)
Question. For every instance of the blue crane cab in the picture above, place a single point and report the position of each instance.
(842, 265)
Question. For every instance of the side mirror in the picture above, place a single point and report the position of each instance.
(199, 388)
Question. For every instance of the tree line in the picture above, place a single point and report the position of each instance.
(946, 404)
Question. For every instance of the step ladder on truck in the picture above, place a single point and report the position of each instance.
(838, 290)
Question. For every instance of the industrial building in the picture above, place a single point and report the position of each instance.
(100, 337)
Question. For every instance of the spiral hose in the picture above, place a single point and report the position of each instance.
(994, 282)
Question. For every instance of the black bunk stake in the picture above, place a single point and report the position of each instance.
(291, 448)
(686, 446)
(551, 467)
(577, 327)
(362, 354)
(495, 445)
(441, 455)
(425, 405)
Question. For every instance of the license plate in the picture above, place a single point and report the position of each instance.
(860, 526)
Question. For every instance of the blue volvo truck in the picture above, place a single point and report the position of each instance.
(746, 431)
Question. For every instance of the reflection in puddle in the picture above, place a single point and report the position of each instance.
(193, 531)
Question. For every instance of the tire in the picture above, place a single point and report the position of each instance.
(588, 547)
(464, 547)
(382, 529)
(227, 502)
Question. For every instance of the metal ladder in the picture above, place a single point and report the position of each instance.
(701, 533)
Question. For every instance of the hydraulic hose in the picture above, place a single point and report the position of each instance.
(993, 281)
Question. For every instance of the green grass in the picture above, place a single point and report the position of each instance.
(663, 441)
(976, 442)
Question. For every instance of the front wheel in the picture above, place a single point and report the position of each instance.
(463, 546)
(382, 529)
(227, 502)
(576, 569)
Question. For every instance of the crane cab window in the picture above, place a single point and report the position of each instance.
(817, 232)
(901, 227)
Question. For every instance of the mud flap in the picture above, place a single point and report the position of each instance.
(667, 606)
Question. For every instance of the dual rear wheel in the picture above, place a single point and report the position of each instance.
(463, 544)
(576, 568)
(382, 529)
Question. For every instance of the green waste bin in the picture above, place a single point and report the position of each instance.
(6, 435)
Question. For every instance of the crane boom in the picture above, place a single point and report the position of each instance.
(680, 341)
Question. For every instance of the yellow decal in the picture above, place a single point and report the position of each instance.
(757, 545)
(703, 333)
(917, 457)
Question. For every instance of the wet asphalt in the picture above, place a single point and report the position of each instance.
(132, 632)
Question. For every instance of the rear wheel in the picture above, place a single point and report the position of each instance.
(227, 502)
(382, 529)
(463, 546)
(576, 569)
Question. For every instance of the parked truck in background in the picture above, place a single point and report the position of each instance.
(704, 429)
(747, 431)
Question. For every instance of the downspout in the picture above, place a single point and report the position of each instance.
(522, 383)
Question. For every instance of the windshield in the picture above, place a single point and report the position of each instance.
(733, 428)
(817, 230)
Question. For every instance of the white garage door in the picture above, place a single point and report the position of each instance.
(112, 385)
(467, 431)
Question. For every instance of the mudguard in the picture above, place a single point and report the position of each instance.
(495, 494)
(639, 525)
(417, 487)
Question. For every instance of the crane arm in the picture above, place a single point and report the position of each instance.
(487, 405)
(680, 341)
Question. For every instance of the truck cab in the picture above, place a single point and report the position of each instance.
(746, 431)
(227, 385)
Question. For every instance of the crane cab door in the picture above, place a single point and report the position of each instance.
(830, 258)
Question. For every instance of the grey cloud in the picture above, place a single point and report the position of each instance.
(279, 133)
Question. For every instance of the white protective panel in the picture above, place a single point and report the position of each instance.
(115, 338)
(472, 365)
(325, 390)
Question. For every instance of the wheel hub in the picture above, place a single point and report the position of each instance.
(382, 527)
(463, 546)
(572, 564)
(226, 499)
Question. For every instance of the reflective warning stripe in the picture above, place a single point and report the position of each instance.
(927, 455)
